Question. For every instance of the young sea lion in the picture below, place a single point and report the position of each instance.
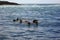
(35, 21)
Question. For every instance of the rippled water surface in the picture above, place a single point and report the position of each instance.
(47, 29)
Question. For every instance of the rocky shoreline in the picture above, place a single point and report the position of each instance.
(8, 3)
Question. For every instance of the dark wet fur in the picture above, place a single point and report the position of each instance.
(36, 22)
(20, 21)
(29, 23)
(15, 20)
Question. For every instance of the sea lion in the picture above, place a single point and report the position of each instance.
(35, 22)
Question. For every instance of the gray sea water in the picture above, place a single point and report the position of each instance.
(47, 29)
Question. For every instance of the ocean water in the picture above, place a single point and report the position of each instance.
(47, 29)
